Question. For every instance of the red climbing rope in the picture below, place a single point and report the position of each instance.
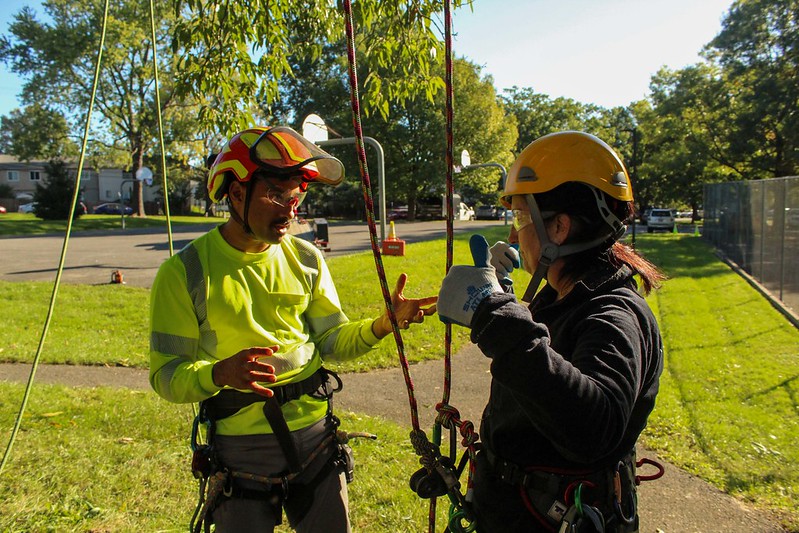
(438, 476)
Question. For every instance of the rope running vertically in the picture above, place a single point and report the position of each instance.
(369, 204)
(161, 130)
(448, 417)
(81, 159)
(62, 260)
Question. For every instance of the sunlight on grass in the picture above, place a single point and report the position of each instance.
(28, 224)
(728, 406)
(118, 460)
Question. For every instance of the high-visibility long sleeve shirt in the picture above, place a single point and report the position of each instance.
(210, 301)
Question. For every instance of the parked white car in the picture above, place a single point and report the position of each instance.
(660, 219)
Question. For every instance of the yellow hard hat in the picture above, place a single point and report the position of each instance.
(566, 156)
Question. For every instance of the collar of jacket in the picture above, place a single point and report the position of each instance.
(602, 279)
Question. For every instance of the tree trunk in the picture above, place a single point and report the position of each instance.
(138, 189)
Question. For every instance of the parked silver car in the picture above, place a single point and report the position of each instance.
(660, 219)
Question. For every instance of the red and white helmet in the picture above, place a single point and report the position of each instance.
(279, 152)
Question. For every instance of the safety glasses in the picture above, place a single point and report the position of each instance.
(285, 197)
(283, 152)
(522, 218)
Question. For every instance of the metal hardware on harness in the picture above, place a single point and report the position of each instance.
(346, 457)
(202, 464)
(202, 459)
(582, 519)
(628, 517)
(437, 481)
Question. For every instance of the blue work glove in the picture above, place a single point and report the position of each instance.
(464, 287)
(504, 258)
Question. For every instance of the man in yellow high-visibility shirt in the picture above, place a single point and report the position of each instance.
(242, 320)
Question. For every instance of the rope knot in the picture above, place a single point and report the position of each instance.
(470, 437)
(424, 448)
(448, 416)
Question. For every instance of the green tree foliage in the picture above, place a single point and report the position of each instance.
(538, 114)
(237, 53)
(686, 136)
(57, 54)
(184, 183)
(54, 198)
(36, 132)
(413, 139)
(6, 190)
(758, 52)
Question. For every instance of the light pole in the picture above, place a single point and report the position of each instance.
(122, 199)
(634, 173)
(381, 174)
(315, 130)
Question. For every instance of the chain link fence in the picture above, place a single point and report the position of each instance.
(756, 225)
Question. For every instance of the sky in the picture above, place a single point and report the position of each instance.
(593, 51)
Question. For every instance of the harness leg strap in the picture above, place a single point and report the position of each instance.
(274, 415)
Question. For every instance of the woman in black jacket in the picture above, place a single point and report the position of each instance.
(575, 373)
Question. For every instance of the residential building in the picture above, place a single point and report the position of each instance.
(97, 187)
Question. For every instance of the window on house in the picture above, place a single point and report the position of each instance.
(12, 175)
(36, 175)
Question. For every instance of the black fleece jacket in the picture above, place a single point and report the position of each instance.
(574, 380)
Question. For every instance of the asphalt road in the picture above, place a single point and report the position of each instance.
(91, 257)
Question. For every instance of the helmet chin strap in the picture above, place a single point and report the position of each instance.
(243, 221)
(551, 251)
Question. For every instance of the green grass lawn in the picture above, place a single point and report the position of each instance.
(727, 411)
(29, 224)
(110, 461)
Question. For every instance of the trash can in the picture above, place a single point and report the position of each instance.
(320, 228)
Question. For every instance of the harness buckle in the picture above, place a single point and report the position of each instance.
(202, 464)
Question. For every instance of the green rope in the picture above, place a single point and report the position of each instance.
(161, 144)
(54, 295)
(160, 129)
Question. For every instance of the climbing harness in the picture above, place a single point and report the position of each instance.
(216, 481)
(558, 500)
(439, 474)
(229, 401)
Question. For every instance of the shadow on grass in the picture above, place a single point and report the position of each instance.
(681, 256)
(785, 385)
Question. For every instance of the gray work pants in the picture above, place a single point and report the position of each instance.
(261, 455)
